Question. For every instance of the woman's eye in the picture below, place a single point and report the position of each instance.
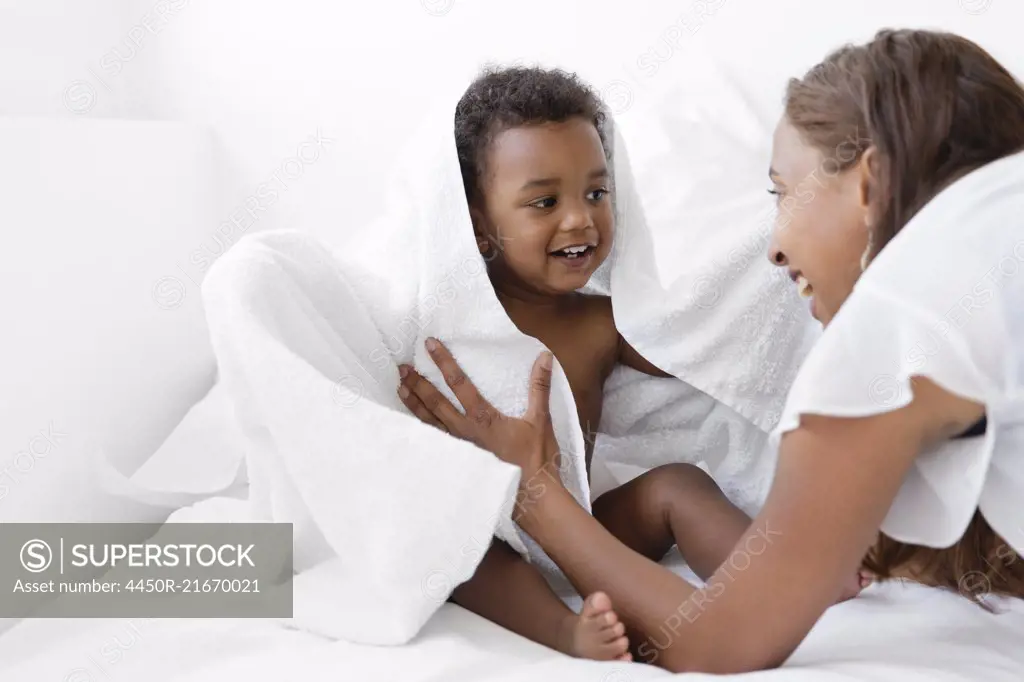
(546, 202)
(776, 193)
(597, 194)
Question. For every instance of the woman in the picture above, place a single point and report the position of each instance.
(897, 431)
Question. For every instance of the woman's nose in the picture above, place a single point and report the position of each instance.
(776, 256)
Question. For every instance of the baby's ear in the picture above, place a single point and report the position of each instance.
(483, 242)
(478, 219)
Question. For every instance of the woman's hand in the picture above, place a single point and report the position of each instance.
(527, 442)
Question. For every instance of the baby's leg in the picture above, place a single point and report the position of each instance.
(674, 504)
(679, 504)
(510, 592)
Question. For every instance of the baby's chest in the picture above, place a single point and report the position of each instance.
(586, 362)
(585, 343)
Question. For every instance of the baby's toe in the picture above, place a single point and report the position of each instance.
(614, 632)
(617, 647)
(595, 605)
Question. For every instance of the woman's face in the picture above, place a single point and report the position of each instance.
(820, 232)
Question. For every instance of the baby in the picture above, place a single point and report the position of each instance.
(532, 150)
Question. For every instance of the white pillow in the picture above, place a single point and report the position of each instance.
(105, 343)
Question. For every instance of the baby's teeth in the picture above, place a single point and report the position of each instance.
(803, 287)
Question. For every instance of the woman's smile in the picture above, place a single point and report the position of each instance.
(804, 288)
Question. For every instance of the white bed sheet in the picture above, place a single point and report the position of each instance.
(891, 632)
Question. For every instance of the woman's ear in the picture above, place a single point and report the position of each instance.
(866, 182)
(867, 177)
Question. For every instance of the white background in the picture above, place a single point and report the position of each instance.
(266, 74)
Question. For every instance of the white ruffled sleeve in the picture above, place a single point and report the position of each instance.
(944, 300)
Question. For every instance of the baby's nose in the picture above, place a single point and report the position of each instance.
(577, 218)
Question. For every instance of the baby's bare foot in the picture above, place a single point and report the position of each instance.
(596, 632)
(853, 587)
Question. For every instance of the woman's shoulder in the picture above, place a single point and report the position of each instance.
(968, 241)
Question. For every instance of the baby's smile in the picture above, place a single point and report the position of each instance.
(576, 256)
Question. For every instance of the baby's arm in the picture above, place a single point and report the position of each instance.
(630, 358)
(601, 308)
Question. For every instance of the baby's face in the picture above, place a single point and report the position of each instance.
(548, 213)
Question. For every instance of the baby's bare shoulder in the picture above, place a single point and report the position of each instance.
(599, 308)
(599, 320)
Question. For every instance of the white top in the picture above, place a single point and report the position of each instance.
(944, 300)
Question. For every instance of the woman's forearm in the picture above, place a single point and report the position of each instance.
(648, 597)
(834, 484)
(733, 624)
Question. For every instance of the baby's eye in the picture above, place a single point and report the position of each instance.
(597, 194)
(546, 202)
(776, 193)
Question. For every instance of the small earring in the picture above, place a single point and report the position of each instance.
(483, 245)
(865, 258)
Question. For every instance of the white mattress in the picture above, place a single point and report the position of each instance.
(891, 632)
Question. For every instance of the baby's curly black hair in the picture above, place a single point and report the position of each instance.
(504, 98)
